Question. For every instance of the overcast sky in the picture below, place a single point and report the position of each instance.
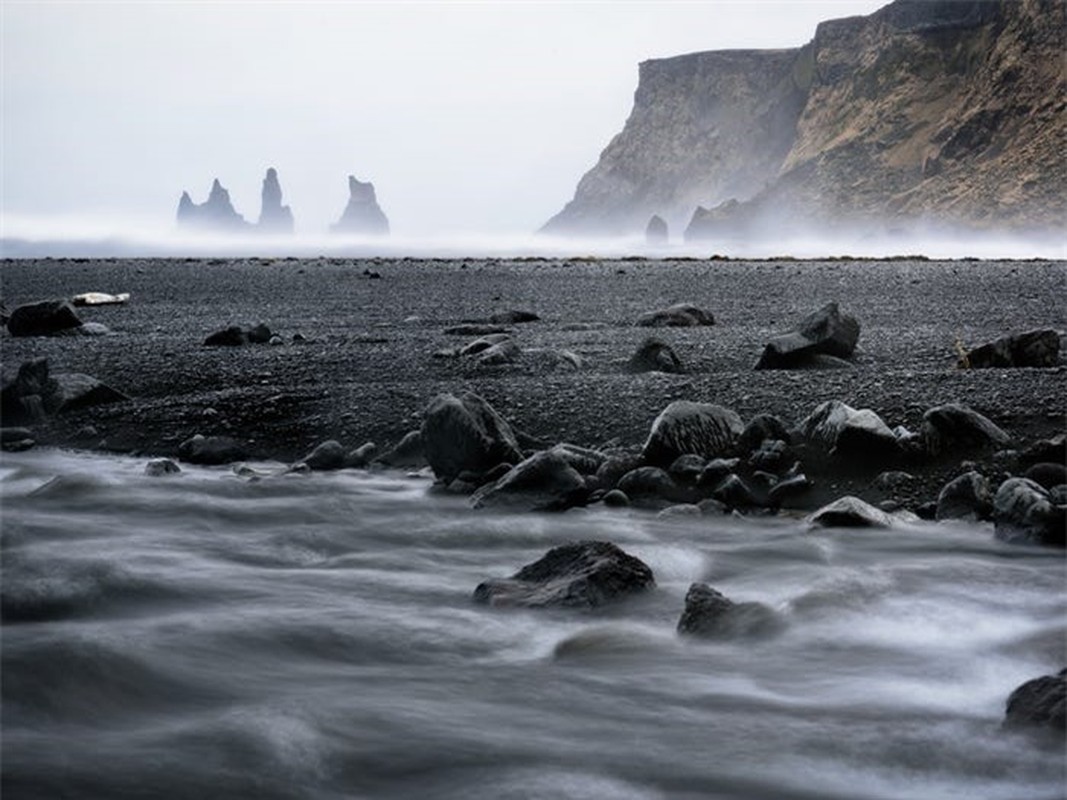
(477, 116)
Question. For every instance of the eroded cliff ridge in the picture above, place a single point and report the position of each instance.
(927, 111)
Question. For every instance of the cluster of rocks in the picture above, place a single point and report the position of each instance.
(494, 344)
(362, 215)
(589, 575)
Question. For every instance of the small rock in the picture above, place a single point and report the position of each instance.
(1040, 702)
(1023, 513)
(616, 499)
(330, 455)
(474, 330)
(965, 497)
(1047, 475)
(211, 450)
(655, 355)
(160, 467)
(232, 336)
(542, 482)
(408, 452)
(513, 317)
(786, 490)
(652, 487)
(361, 456)
(682, 315)
(735, 493)
(681, 510)
(710, 614)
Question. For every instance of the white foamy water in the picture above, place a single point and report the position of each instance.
(314, 637)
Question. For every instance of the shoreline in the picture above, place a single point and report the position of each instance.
(367, 370)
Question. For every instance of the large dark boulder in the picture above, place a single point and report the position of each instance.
(952, 429)
(759, 429)
(211, 450)
(846, 433)
(710, 614)
(466, 434)
(704, 429)
(1038, 348)
(681, 315)
(578, 575)
(1024, 513)
(652, 487)
(849, 512)
(329, 455)
(362, 215)
(233, 336)
(965, 497)
(408, 452)
(1041, 702)
(542, 482)
(826, 332)
(655, 355)
(46, 318)
(33, 393)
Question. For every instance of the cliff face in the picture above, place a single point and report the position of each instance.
(923, 111)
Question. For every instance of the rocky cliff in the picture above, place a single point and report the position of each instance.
(946, 111)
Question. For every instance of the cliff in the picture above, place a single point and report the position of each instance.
(947, 111)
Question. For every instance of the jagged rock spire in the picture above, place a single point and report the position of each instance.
(273, 216)
(362, 215)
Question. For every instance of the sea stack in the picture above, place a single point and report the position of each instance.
(362, 215)
(657, 234)
(273, 216)
(216, 213)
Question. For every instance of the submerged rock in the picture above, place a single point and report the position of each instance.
(330, 455)
(577, 575)
(160, 467)
(709, 613)
(362, 215)
(1041, 702)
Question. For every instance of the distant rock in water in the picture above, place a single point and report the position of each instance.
(657, 233)
(273, 216)
(362, 215)
(215, 214)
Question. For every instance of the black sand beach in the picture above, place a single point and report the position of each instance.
(368, 369)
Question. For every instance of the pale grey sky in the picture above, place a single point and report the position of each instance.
(475, 116)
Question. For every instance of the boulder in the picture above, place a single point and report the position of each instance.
(466, 433)
(215, 214)
(616, 499)
(362, 455)
(577, 575)
(849, 512)
(652, 487)
(615, 466)
(687, 468)
(1038, 348)
(654, 355)
(785, 491)
(329, 455)
(211, 450)
(716, 471)
(161, 467)
(710, 614)
(657, 234)
(1047, 475)
(260, 334)
(46, 318)
(850, 434)
(953, 428)
(362, 216)
(583, 459)
(967, 496)
(760, 428)
(733, 492)
(273, 216)
(408, 452)
(1041, 702)
(826, 332)
(505, 352)
(74, 390)
(513, 317)
(704, 429)
(232, 336)
(543, 482)
(681, 315)
(1024, 513)
(34, 393)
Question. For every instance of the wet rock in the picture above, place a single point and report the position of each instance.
(615, 466)
(1023, 513)
(710, 507)
(710, 614)
(260, 334)
(716, 471)
(616, 499)
(1037, 348)
(1041, 702)
(577, 575)
(681, 510)
(361, 456)
(849, 434)
(826, 332)
(1047, 475)
(735, 493)
(16, 440)
(772, 456)
(1052, 451)
(46, 318)
(408, 452)
(232, 336)
(543, 482)
(652, 487)
(683, 427)
(952, 428)
(681, 315)
(657, 234)
(759, 429)
(687, 468)
(655, 355)
(582, 459)
(211, 450)
(849, 512)
(466, 433)
(513, 317)
(329, 455)
(362, 216)
(160, 467)
(786, 491)
(966, 497)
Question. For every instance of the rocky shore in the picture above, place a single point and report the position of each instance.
(355, 351)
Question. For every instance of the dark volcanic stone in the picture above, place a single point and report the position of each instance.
(1039, 702)
(655, 355)
(583, 459)
(513, 317)
(260, 334)
(73, 390)
(735, 493)
(1047, 475)
(615, 466)
(792, 487)
(616, 499)
(474, 329)
(682, 315)
(408, 452)
(232, 336)
(46, 318)
(578, 575)
(709, 613)
(850, 434)
(683, 427)
(826, 332)
(543, 482)
(1053, 451)
(1023, 513)
(652, 487)
(466, 433)
(329, 455)
(362, 455)
(953, 428)
(160, 467)
(850, 512)
(211, 450)
(1039, 348)
(505, 352)
(760, 428)
(965, 497)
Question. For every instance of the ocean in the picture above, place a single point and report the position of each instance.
(313, 636)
